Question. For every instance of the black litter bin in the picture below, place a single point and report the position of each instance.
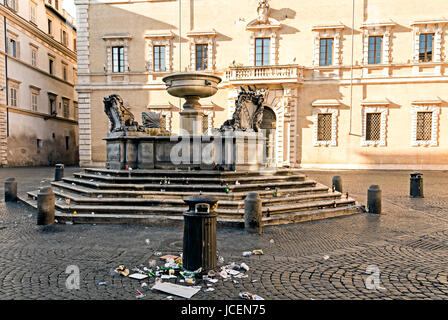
(199, 245)
(416, 185)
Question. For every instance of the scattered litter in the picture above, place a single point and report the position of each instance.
(249, 296)
(166, 276)
(209, 289)
(253, 252)
(271, 241)
(212, 280)
(147, 241)
(326, 257)
(122, 270)
(170, 297)
(138, 276)
(68, 222)
(157, 253)
(30, 215)
(178, 290)
(245, 266)
(101, 283)
(141, 295)
(144, 285)
(67, 201)
(220, 259)
(235, 282)
(211, 273)
(152, 263)
(224, 274)
(99, 196)
(92, 212)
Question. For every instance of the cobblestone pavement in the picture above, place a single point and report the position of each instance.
(325, 259)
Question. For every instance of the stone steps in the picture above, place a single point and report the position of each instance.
(176, 202)
(157, 194)
(130, 179)
(112, 196)
(190, 187)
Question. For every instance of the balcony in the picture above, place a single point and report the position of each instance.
(264, 74)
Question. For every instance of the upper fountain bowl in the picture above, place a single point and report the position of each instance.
(191, 84)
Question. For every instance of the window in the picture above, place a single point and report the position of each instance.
(424, 126)
(324, 126)
(66, 110)
(33, 57)
(13, 97)
(49, 27)
(159, 59)
(52, 104)
(56, 4)
(262, 46)
(34, 100)
(51, 66)
(12, 4)
(39, 144)
(67, 142)
(205, 123)
(375, 48)
(33, 12)
(326, 52)
(13, 48)
(373, 126)
(64, 37)
(64, 72)
(201, 56)
(117, 59)
(425, 52)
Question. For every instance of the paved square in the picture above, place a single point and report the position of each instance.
(327, 259)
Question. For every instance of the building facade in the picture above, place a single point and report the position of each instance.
(352, 83)
(38, 102)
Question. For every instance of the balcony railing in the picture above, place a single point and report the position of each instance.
(285, 73)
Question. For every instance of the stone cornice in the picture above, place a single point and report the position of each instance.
(28, 26)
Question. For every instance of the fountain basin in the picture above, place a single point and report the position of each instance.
(191, 84)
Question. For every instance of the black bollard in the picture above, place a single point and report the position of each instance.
(253, 213)
(416, 185)
(59, 172)
(45, 206)
(337, 184)
(11, 190)
(374, 199)
(199, 244)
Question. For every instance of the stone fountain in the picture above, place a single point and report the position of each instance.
(238, 145)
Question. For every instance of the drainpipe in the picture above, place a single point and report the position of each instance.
(351, 69)
(6, 73)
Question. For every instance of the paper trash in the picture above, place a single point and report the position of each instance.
(178, 290)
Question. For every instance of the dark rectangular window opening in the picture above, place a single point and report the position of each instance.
(262, 51)
(117, 59)
(324, 126)
(67, 142)
(201, 56)
(159, 59)
(375, 49)
(326, 52)
(424, 126)
(426, 45)
(373, 126)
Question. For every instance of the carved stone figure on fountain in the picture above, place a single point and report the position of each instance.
(154, 123)
(248, 112)
(120, 118)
